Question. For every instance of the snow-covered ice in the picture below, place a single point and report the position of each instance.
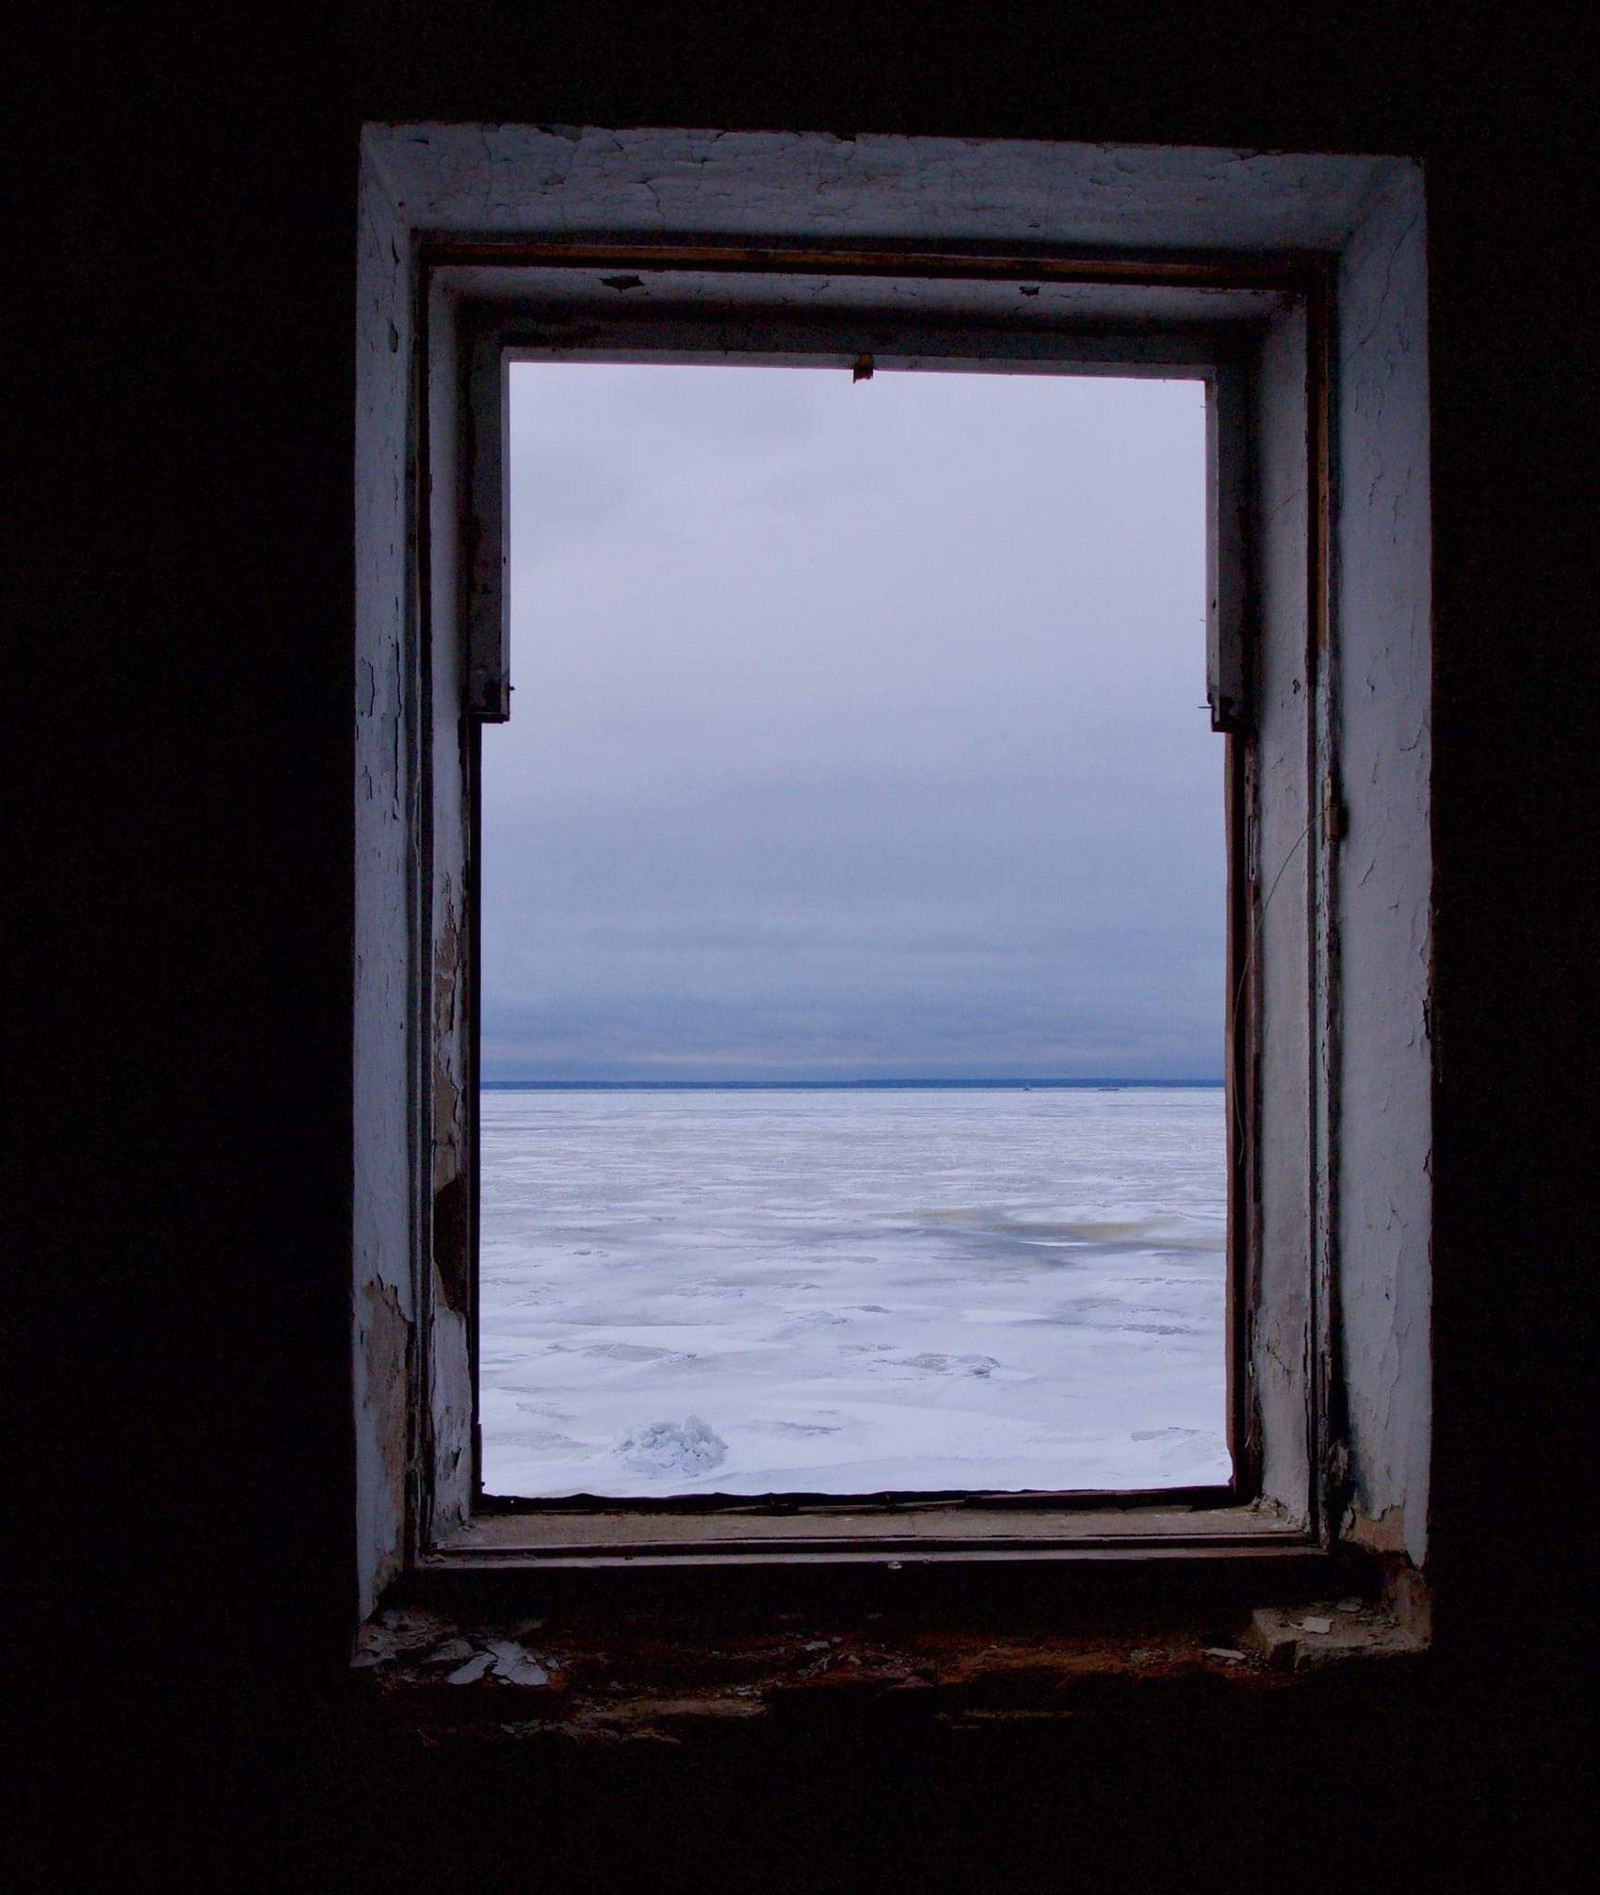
(667, 1447)
(852, 1291)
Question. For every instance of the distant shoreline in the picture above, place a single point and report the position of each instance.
(850, 1085)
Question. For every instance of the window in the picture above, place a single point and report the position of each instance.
(1293, 287)
(851, 939)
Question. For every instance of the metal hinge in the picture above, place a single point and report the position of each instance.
(1333, 813)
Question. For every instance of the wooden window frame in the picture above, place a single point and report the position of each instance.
(454, 285)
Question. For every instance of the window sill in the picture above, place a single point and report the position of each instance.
(668, 1676)
(844, 1534)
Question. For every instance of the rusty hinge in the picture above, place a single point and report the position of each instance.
(1333, 813)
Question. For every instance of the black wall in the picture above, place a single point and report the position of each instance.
(179, 689)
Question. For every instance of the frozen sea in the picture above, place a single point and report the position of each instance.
(751, 1292)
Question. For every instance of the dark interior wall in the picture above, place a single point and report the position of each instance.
(180, 684)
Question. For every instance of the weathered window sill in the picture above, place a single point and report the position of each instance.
(671, 1676)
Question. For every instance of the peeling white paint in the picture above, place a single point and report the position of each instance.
(382, 1182)
(1383, 608)
(1281, 956)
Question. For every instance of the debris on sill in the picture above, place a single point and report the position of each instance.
(1302, 1640)
(406, 1642)
(659, 1679)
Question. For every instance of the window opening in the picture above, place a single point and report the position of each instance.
(852, 940)
(1295, 286)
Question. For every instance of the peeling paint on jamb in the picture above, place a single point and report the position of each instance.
(383, 1281)
(1382, 561)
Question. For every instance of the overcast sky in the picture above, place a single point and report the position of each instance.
(857, 730)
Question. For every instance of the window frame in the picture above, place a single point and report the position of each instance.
(473, 294)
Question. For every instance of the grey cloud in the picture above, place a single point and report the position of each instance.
(853, 737)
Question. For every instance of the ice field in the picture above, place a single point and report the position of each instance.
(852, 1291)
